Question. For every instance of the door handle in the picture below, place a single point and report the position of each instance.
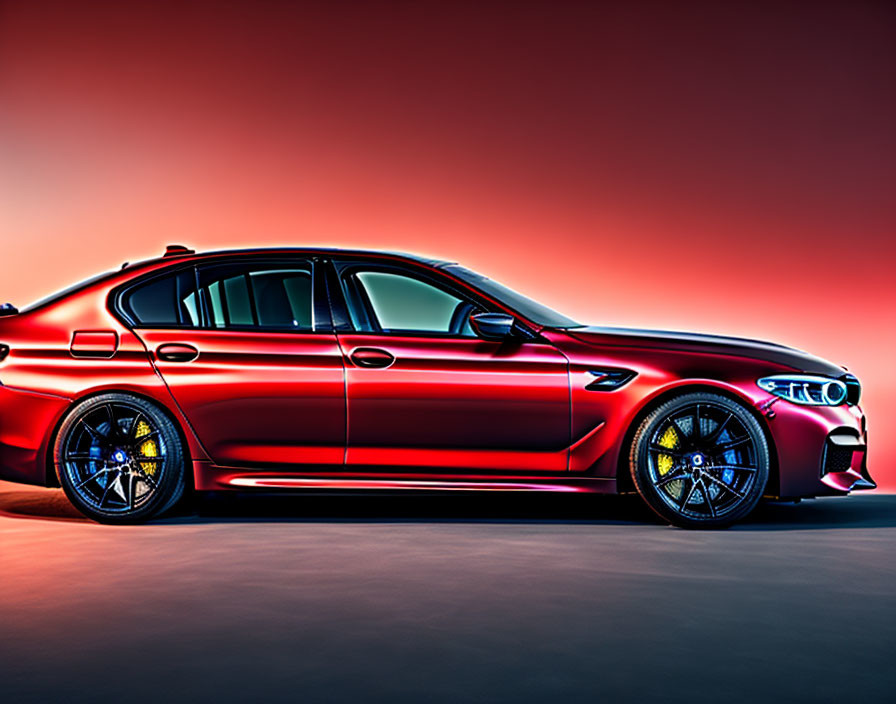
(372, 358)
(177, 352)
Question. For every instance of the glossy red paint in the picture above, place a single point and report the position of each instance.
(461, 404)
(259, 398)
(288, 410)
(94, 344)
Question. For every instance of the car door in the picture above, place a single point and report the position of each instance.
(425, 393)
(249, 355)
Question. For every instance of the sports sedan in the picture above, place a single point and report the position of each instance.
(315, 369)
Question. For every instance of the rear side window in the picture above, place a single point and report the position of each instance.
(271, 297)
(166, 301)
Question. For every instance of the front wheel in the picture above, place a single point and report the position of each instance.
(120, 459)
(700, 461)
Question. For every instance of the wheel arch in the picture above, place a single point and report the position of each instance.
(624, 483)
(50, 459)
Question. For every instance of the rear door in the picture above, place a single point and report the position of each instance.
(247, 350)
(425, 393)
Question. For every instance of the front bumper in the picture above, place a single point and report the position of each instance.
(821, 449)
(843, 463)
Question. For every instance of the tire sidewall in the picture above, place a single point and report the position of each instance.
(171, 485)
(638, 460)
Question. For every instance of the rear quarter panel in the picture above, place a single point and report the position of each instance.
(42, 379)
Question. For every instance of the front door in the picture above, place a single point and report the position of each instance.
(424, 393)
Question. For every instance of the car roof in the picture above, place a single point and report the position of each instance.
(180, 252)
(176, 253)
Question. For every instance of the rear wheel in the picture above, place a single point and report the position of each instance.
(700, 461)
(120, 459)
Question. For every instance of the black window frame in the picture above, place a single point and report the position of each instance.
(121, 310)
(322, 322)
(245, 268)
(342, 269)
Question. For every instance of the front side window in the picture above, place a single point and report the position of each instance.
(537, 312)
(164, 301)
(393, 302)
(273, 297)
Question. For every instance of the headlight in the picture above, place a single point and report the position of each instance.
(805, 390)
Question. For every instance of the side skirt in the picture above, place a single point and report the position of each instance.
(210, 477)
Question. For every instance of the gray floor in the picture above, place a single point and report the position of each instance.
(416, 599)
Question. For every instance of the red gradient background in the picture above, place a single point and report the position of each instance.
(725, 167)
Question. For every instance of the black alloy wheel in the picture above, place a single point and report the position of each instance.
(120, 459)
(700, 460)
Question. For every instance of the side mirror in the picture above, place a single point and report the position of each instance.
(492, 326)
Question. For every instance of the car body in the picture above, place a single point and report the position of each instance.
(293, 368)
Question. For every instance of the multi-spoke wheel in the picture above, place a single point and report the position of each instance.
(700, 461)
(119, 459)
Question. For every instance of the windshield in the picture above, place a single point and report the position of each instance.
(532, 310)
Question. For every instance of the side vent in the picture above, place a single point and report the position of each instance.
(609, 378)
(4, 351)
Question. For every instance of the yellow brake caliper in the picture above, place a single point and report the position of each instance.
(665, 463)
(149, 448)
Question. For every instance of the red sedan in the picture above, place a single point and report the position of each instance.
(304, 369)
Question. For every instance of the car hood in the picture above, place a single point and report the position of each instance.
(712, 344)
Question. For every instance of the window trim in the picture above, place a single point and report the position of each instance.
(116, 299)
(320, 309)
(343, 268)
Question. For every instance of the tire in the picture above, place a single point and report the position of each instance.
(120, 459)
(710, 479)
